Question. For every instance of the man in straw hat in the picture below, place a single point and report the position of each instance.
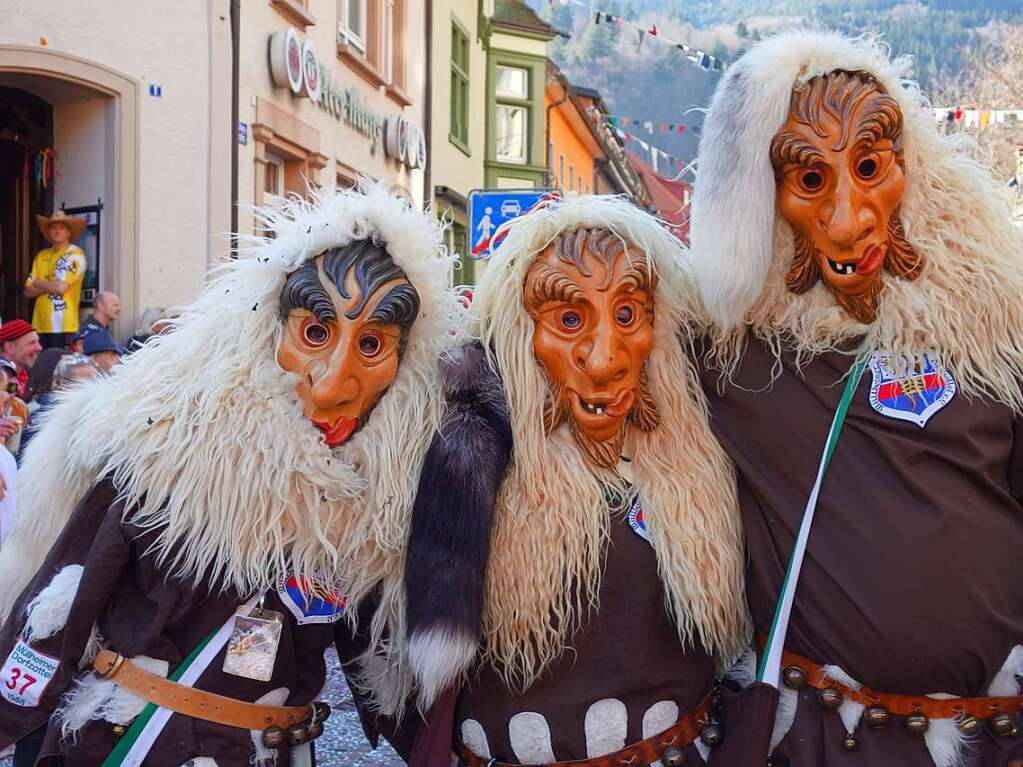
(864, 361)
(56, 279)
(169, 602)
(576, 521)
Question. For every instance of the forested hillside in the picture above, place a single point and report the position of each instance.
(645, 79)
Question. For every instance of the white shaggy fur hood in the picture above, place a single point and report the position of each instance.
(964, 307)
(204, 437)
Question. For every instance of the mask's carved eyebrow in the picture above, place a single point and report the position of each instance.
(399, 306)
(548, 283)
(304, 290)
(789, 148)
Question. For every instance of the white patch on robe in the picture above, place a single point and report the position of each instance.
(530, 737)
(475, 738)
(606, 726)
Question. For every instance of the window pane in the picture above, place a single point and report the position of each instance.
(463, 110)
(512, 82)
(511, 133)
(352, 25)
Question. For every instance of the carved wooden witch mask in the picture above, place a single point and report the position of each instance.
(346, 316)
(841, 176)
(592, 304)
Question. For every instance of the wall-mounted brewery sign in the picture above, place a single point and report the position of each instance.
(294, 65)
(404, 142)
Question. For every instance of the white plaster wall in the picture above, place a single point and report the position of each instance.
(338, 142)
(451, 166)
(168, 43)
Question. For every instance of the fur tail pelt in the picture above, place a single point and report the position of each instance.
(451, 522)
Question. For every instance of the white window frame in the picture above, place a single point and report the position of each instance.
(279, 164)
(353, 37)
(521, 96)
(503, 157)
(389, 41)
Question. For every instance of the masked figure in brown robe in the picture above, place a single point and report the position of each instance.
(233, 492)
(576, 521)
(833, 223)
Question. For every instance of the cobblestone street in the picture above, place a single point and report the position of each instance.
(342, 743)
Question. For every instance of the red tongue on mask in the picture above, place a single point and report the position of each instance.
(871, 260)
(337, 433)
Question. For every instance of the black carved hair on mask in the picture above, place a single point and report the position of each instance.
(373, 267)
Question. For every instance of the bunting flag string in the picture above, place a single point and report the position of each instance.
(649, 126)
(657, 155)
(695, 55)
(977, 118)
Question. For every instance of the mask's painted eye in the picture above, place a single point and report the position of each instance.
(370, 345)
(571, 320)
(866, 168)
(811, 180)
(314, 333)
(625, 315)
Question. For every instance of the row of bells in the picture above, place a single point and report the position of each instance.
(711, 735)
(278, 737)
(877, 717)
(297, 734)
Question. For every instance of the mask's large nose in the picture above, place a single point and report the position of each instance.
(602, 355)
(850, 217)
(333, 385)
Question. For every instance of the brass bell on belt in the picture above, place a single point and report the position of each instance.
(672, 757)
(917, 723)
(119, 730)
(1002, 725)
(849, 744)
(830, 698)
(274, 737)
(321, 711)
(297, 735)
(876, 717)
(969, 725)
(794, 677)
(712, 734)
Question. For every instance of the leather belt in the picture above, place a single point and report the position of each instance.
(649, 751)
(900, 705)
(188, 701)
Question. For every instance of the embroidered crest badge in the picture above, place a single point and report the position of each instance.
(914, 397)
(310, 602)
(636, 521)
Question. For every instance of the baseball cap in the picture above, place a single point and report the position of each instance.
(100, 341)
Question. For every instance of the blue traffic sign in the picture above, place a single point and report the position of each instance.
(489, 209)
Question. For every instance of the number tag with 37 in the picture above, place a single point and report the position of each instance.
(26, 675)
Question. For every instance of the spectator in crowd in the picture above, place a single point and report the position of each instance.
(8, 468)
(105, 311)
(40, 377)
(66, 369)
(102, 349)
(19, 344)
(56, 279)
(154, 322)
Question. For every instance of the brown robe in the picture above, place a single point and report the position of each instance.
(630, 651)
(140, 611)
(913, 579)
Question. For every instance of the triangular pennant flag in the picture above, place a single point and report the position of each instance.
(705, 61)
(681, 128)
(597, 19)
(653, 30)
